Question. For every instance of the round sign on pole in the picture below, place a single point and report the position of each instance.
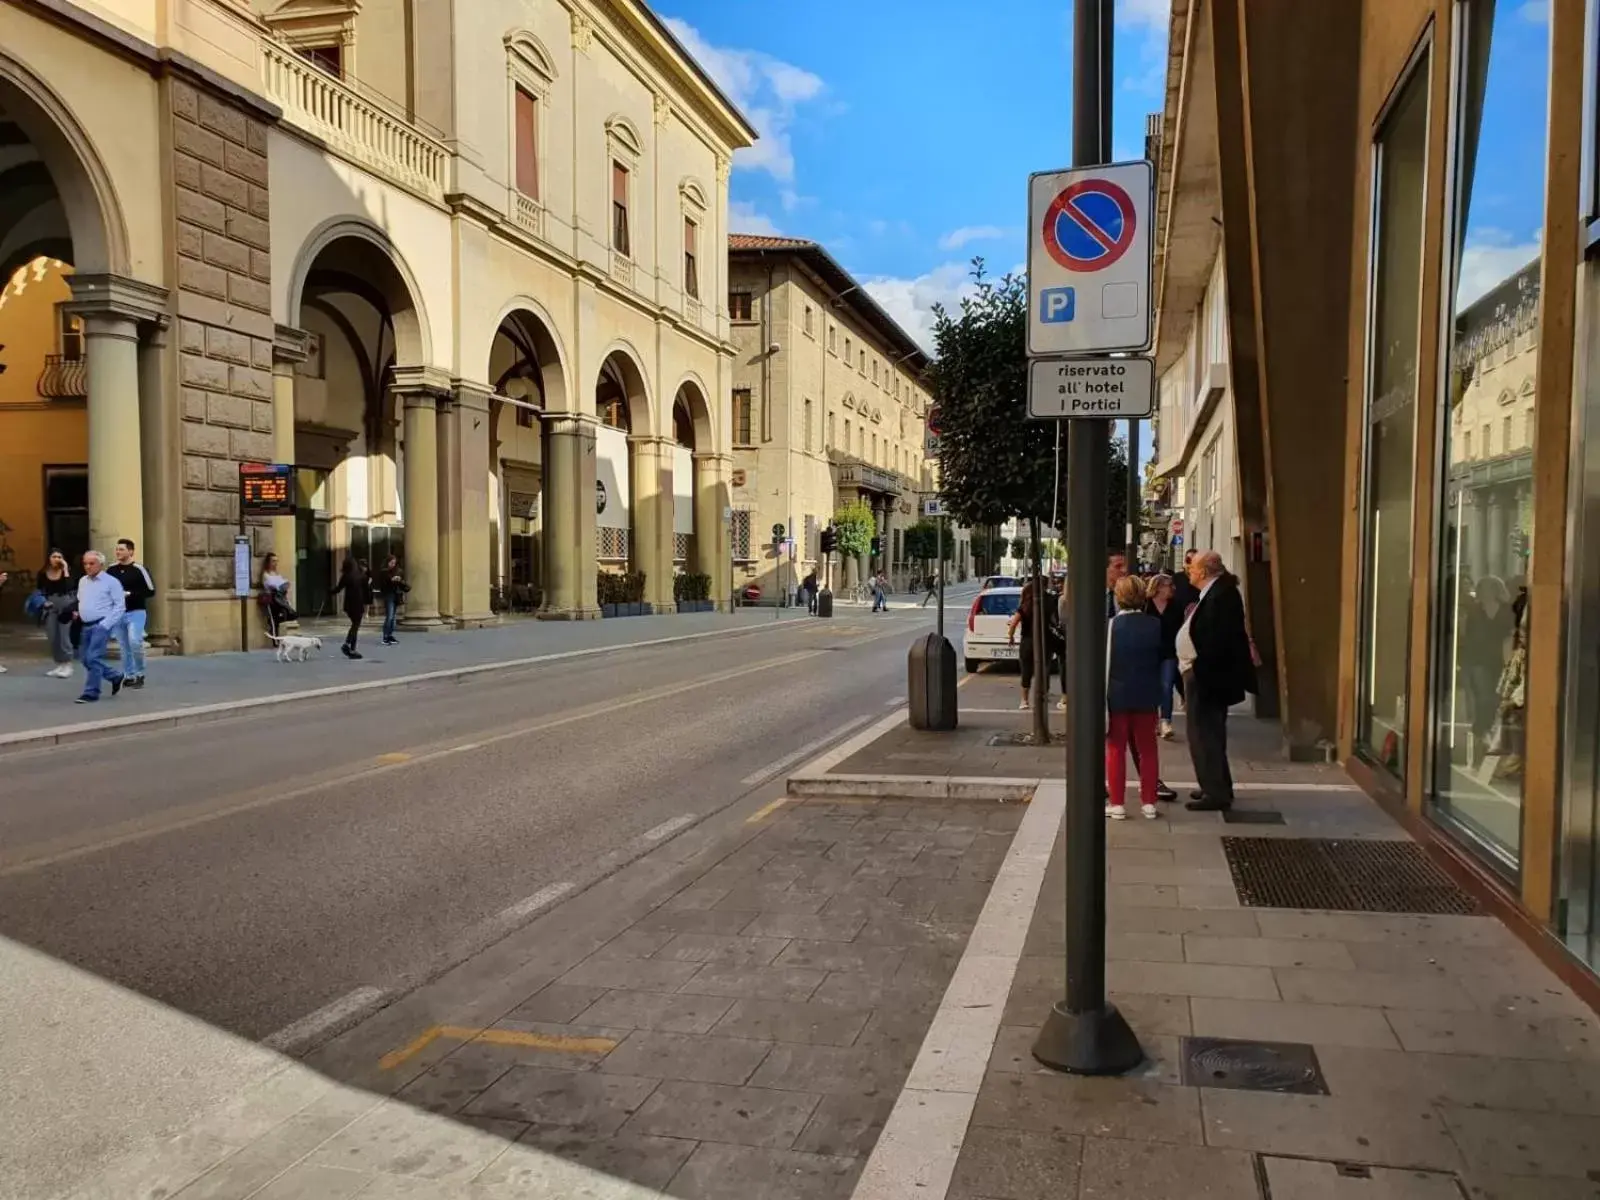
(933, 420)
(1089, 225)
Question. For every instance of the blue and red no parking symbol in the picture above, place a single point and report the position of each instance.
(1089, 225)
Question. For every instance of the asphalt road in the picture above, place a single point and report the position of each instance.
(253, 871)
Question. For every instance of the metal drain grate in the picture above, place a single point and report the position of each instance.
(1011, 740)
(1342, 875)
(1251, 816)
(1289, 1067)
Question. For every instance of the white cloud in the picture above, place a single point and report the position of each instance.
(1490, 257)
(1535, 11)
(766, 89)
(743, 218)
(1152, 14)
(957, 238)
(910, 301)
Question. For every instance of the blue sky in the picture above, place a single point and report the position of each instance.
(900, 133)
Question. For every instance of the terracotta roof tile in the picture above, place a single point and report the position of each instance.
(762, 241)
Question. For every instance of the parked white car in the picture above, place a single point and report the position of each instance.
(985, 639)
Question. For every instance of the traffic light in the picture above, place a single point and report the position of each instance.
(877, 546)
(777, 533)
(830, 540)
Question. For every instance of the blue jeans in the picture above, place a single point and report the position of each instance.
(96, 641)
(1169, 683)
(878, 600)
(391, 602)
(130, 636)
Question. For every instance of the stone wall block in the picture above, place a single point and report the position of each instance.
(251, 293)
(191, 337)
(246, 164)
(260, 203)
(221, 117)
(186, 171)
(202, 143)
(261, 264)
(195, 540)
(191, 240)
(209, 574)
(205, 440)
(261, 354)
(185, 99)
(197, 371)
(250, 383)
(252, 231)
(226, 344)
(226, 253)
(220, 185)
(261, 416)
(220, 539)
(197, 276)
(195, 474)
(208, 507)
(248, 446)
(224, 475)
(230, 411)
(255, 136)
(202, 210)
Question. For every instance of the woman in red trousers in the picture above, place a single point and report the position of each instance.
(1133, 697)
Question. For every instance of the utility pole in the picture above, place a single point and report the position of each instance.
(1083, 1033)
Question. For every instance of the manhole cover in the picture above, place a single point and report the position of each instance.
(1252, 816)
(1330, 1179)
(1342, 875)
(1252, 1066)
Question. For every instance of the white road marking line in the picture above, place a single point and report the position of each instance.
(668, 828)
(1181, 784)
(339, 1011)
(525, 908)
(773, 769)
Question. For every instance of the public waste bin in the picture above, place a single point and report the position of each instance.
(824, 603)
(931, 683)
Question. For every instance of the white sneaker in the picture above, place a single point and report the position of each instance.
(1166, 730)
(60, 671)
(1024, 706)
(1149, 811)
(1061, 704)
(1116, 812)
(2, 670)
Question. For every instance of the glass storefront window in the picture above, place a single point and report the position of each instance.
(1491, 383)
(1394, 305)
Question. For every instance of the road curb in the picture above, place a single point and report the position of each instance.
(85, 731)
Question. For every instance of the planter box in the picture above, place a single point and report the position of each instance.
(608, 610)
(647, 609)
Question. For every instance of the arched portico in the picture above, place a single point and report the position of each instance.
(633, 484)
(357, 409)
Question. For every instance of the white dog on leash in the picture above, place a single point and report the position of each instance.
(296, 647)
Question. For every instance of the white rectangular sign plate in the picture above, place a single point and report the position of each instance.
(933, 506)
(1090, 260)
(1091, 387)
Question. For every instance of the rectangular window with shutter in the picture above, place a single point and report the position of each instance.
(741, 416)
(806, 430)
(527, 144)
(808, 322)
(691, 269)
(619, 210)
(740, 306)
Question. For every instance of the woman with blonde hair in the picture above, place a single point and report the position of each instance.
(1133, 698)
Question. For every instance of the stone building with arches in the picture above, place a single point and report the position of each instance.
(467, 276)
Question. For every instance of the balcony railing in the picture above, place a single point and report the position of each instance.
(353, 125)
(850, 471)
(64, 378)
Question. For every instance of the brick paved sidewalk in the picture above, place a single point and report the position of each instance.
(733, 1023)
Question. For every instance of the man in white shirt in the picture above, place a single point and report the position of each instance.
(101, 611)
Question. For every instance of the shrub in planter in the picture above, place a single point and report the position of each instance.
(633, 588)
(608, 592)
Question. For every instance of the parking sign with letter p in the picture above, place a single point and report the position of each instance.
(1057, 305)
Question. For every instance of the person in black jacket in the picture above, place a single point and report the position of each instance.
(356, 585)
(1218, 670)
(1163, 605)
(392, 586)
(137, 589)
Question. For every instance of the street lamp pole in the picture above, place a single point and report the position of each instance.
(1083, 1033)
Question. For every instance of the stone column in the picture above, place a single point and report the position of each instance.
(160, 549)
(418, 391)
(464, 504)
(116, 483)
(880, 512)
(568, 502)
(1497, 546)
(289, 346)
(650, 470)
(713, 552)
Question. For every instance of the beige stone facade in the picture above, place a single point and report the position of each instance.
(829, 404)
(465, 270)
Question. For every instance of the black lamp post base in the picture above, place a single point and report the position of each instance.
(1088, 1043)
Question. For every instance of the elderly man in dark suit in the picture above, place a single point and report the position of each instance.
(1218, 669)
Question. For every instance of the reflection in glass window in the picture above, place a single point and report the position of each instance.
(1392, 342)
(1486, 504)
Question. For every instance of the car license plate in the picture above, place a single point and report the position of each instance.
(1005, 652)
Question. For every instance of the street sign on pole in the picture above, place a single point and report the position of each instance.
(933, 506)
(1090, 260)
(930, 433)
(1091, 387)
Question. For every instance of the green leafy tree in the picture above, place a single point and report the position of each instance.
(922, 543)
(855, 526)
(1019, 548)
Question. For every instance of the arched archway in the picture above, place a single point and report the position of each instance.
(73, 330)
(628, 481)
(363, 432)
(529, 382)
(696, 515)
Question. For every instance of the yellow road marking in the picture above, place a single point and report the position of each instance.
(496, 1037)
(396, 757)
(766, 810)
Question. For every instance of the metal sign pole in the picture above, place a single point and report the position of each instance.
(1083, 1033)
(939, 567)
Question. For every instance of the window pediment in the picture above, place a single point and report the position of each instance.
(692, 193)
(529, 54)
(623, 136)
